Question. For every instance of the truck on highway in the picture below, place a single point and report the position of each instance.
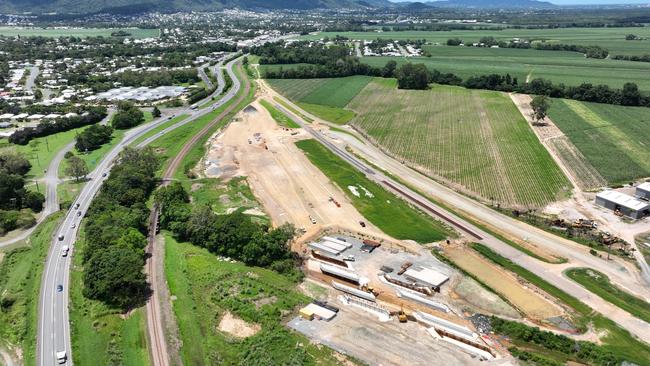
(61, 357)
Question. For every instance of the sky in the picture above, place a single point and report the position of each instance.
(571, 2)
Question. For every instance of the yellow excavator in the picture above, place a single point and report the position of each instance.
(402, 315)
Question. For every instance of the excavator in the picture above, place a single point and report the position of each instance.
(401, 314)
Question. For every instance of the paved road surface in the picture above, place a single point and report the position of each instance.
(622, 318)
(53, 325)
(31, 78)
(204, 76)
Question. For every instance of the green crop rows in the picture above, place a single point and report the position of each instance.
(614, 139)
(476, 140)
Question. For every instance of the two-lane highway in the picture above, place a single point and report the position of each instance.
(53, 325)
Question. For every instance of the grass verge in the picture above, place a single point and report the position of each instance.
(599, 284)
(385, 210)
(278, 116)
(21, 271)
(293, 110)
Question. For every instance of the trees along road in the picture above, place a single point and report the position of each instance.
(53, 317)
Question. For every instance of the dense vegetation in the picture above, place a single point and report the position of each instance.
(13, 194)
(93, 137)
(233, 235)
(580, 351)
(127, 116)
(115, 232)
(91, 116)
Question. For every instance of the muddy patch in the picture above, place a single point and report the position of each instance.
(237, 327)
(264, 301)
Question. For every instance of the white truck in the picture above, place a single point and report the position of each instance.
(61, 357)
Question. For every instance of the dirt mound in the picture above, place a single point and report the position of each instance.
(237, 327)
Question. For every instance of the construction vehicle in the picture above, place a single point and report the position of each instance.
(369, 289)
(404, 267)
(402, 315)
(585, 224)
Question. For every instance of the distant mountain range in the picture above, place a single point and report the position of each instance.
(129, 6)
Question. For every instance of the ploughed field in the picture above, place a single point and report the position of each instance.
(615, 140)
(474, 140)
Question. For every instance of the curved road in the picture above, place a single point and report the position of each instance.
(51, 180)
(53, 323)
(634, 325)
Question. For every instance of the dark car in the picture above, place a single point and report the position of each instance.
(59, 288)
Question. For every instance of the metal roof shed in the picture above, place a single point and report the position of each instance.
(426, 275)
(628, 205)
(643, 190)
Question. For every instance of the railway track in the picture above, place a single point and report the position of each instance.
(160, 356)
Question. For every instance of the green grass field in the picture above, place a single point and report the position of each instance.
(569, 68)
(21, 271)
(386, 211)
(324, 98)
(206, 288)
(611, 38)
(599, 284)
(614, 139)
(278, 116)
(75, 32)
(474, 140)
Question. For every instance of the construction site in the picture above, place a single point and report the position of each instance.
(375, 298)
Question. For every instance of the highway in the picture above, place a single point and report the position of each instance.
(53, 322)
(634, 325)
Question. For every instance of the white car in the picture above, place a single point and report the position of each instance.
(73, 225)
(61, 357)
(65, 250)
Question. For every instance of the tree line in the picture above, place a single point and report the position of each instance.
(582, 351)
(115, 232)
(233, 235)
(90, 116)
(418, 76)
(13, 194)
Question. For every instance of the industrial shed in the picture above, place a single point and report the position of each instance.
(427, 276)
(629, 206)
(643, 190)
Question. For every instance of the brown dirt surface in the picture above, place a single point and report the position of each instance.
(289, 187)
(237, 327)
(522, 297)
